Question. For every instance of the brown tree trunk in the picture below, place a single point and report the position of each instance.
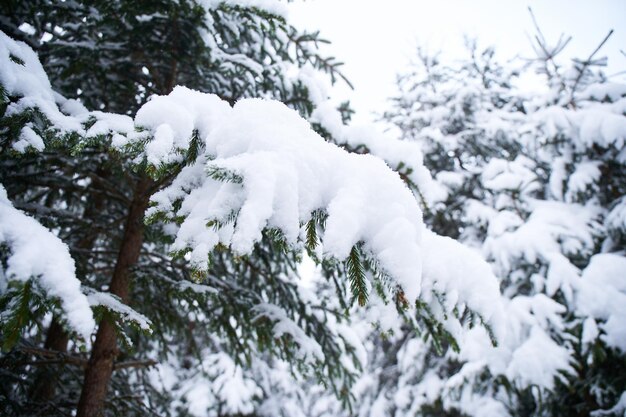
(46, 380)
(105, 350)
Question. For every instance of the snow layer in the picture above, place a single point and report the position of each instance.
(551, 228)
(308, 348)
(268, 169)
(460, 274)
(22, 75)
(398, 154)
(35, 253)
(585, 127)
(113, 304)
(281, 173)
(527, 321)
(23, 78)
(602, 295)
(605, 91)
(28, 137)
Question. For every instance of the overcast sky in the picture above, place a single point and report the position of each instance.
(376, 39)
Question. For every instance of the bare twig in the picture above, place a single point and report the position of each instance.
(61, 358)
(586, 64)
(135, 364)
(549, 53)
(56, 357)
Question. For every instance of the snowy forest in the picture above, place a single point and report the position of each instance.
(191, 223)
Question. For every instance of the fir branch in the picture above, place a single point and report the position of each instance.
(356, 275)
(223, 175)
(311, 235)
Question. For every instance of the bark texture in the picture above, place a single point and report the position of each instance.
(105, 350)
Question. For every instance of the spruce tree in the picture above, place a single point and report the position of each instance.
(532, 181)
(112, 57)
(185, 211)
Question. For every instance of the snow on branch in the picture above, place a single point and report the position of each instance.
(308, 348)
(25, 88)
(36, 253)
(23, 77)
(264, 168)
(586, 127)
(113, 304)
(403, 156)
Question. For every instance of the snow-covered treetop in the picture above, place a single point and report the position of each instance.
(537, 182)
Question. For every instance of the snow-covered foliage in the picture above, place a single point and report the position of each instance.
(34, 251)
(536, 185)
(239, 189)
(256, 174)
(78, 172)
(278, 176)
(176, 218)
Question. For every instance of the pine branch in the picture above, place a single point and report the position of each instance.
(356, 274)
(311, 235)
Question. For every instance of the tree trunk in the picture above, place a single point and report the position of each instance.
(105, 350)
(44, 387)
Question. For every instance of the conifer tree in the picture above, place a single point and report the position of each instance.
(185, 217)
(112, 57)
(532, 181)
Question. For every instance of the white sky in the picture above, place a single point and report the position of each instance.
(376, 39)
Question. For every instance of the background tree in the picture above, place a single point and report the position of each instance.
(517, 173)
